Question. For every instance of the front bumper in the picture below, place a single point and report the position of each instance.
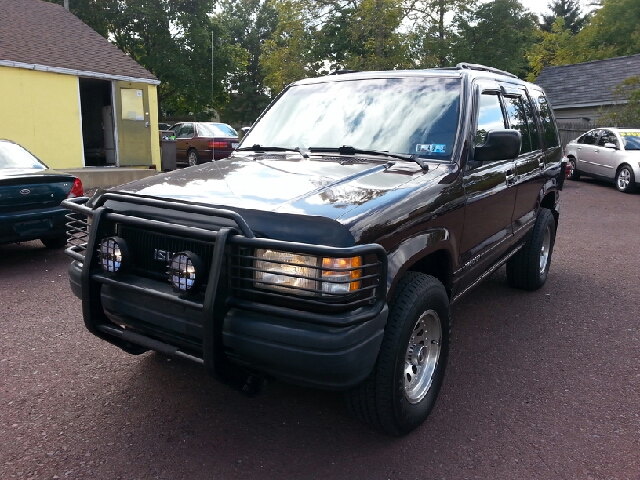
(330, 351)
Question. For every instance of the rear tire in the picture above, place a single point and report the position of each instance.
(528, 268)
(625, 179)
(575, 174)
(402, 389)
(54, 242)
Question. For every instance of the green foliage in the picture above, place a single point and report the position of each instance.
(375, 43)
(249, 24)
(613, 31)
(286, 56)
(628, 114)
(550, 49)
(173, 40)
(569, 11)
(497, 33)
(433, 36)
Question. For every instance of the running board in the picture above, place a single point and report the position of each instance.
(488, 272)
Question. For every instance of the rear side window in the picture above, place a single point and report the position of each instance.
(548, 125)
(589, 138)
(518, 121)
(490, 116)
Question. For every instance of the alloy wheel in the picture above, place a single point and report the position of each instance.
(422, 355)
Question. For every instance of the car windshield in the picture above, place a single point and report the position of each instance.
(631, 140)
(415, 116)
(216, 130)
(13, 156)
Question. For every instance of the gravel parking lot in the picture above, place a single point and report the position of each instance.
(542, 385)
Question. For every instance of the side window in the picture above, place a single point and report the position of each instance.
(186, 131)
(589, 138)
(518, 120)
(490, 116)
(548, 125)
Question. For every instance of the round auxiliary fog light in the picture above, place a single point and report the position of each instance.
(185, 271)
(112, 254)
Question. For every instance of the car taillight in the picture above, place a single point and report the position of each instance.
(76, 190)
(216, 144)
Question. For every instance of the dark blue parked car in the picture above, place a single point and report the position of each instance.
(30, 196)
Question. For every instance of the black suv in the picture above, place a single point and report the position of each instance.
(327, 249)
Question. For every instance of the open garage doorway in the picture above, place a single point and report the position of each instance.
(97, 122)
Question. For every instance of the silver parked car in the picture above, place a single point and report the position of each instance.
(611, 154)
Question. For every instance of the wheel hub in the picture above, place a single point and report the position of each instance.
(422, 355)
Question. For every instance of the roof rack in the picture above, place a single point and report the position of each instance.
(342, 72)
(475, 66)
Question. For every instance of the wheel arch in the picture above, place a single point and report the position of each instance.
(549, 201)
(431, 253)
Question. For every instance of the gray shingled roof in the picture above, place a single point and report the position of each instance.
(589, 83)
(34, 32)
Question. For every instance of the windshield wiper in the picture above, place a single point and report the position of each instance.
(262, 148)
(349, 150)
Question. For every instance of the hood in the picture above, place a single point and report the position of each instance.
(291, 197)
(319, 186)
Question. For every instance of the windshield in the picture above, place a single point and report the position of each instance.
(416, 116)
(216, 130)
(16, 157)
(631, 140)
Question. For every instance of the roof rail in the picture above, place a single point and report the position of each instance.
(342, 72)
(475, 66)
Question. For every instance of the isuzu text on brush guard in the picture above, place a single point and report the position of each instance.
(326, 250)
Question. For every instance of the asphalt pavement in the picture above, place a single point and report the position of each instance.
(540, 385)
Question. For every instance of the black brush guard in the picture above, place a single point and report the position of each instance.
(85, 231)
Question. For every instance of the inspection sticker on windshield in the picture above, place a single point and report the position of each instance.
(431, 147)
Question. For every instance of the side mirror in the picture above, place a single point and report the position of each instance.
(499, 145)
(610, 145)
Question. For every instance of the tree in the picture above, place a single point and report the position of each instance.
(551, 49)
(375, 43)
(287, 54)
(612, 32)
(497, 34)
(249, 23)
(433, 35)
(173, 40)
(569, 11)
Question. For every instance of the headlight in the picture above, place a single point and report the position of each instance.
(113, 254)
(306, 274)
(185, 271)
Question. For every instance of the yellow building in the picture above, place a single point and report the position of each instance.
(71, 97)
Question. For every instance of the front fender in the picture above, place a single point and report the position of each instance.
(411, 250)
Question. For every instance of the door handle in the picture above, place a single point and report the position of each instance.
(511, 176)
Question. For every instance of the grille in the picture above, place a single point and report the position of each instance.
(151, 251)
(77, 232)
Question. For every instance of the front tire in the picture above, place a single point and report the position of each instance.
(192, 158)
(625, 179)
(528, 268)
(54, 242)
(402, 389)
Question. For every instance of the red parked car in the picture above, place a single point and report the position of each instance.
(199, 142)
